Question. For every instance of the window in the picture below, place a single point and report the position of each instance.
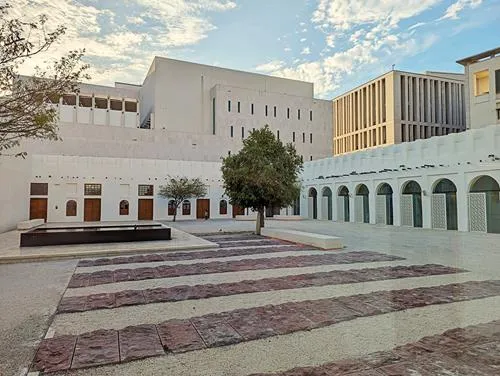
(303, 137)
(498, 113)
(229, 152)
(239, 107)
(84, 101)
(124, 207)
(288, 113)
(213, 116)
(186, 207)
(497, 81)
(274, 111)
(39, 189)
(232, 131)
(293, 136)
(116, 105)
(228, 106)
(130, 106)
(311, 158)
(145, 190)
(223, 207)
(278, 134)
(242, 132)
(251, 109)
(298, 114)
(69, 100)
(71, 208)
(310, 138)
(101, 103)
(310, 115)
(171, 207)
(92, 189)
(481, 83)
(266, 109)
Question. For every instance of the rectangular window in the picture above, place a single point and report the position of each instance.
(116, 105)
(310, 115)
(229, 152)
(228, 106)
(298, 114)
(239, 107)
(310, 138)
(293, 136)
(69, 100)
(251, 109)
(130, 106)
(497, 81)
(481, 83)
(274, 111)
(92, 189)
(311, 158)
(374, 137)
(266, 109)
(39, 189)
(145, 190)
(84, 101)
(384, 135)
(242, 132)
(213, 116)
(288, 113)
(231, 130)
(278, 134)
(403, 132)
(498, 113)
(303, 138)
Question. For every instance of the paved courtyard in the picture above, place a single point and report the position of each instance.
(389, 303)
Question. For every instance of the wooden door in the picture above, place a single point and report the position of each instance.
(92, 210)
(237, 210)
(202, 206)
(38, 208)
(145, 211)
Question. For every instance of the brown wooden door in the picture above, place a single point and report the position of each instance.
(145, 211)
(202, 206)
(92, 210)
(237, 210)
(38, 208)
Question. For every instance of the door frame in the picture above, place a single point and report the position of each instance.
(85, 200)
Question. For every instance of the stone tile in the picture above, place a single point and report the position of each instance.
(284, 320)
(122, 275)
(120, 260)
(79, 280)
(325, 312)
(100, 301)
(102, 261)
(85, 263)
(411, 351)
(359, 304)
(438, 364)
(129, 297)
(215, 332)
(484, 357)
(72, 304)
(101, 277)
(137, 342)
(157, 295)
(179, 336)
(96, 348)
(403, 369)
(249, 323)
(381, 359)
(144, 273)
(54, 354)
(154, 258)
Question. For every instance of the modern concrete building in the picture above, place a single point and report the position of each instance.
(398, 107)
(482, 83)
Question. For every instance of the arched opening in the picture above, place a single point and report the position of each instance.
(326, 203)
(362, 204)
(484, 205)
(171, 207)
(313, 203)
(71, 208)
(186, 207)
(411, 204)
(384, 204)
(444, 214)
(124, 207)
(223, 207)
(343, 212)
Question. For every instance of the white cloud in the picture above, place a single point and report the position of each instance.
(454, 9)
(302, 40)
(135, 20)
(305, 51)
(270, 67)
(304, 30)
(417, 25)
(287, 49)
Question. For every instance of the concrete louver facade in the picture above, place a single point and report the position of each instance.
(398, 107)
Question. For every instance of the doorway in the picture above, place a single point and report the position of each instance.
(38, 208)
(145, 209)
(92, 210)
(202, 206)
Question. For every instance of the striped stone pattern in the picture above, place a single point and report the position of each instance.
(206, 304)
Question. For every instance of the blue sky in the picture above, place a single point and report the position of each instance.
(337, 44)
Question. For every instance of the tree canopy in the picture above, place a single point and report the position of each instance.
(264, 173)
(25, 110)
(182, 189)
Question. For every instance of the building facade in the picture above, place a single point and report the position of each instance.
(398, 107)
(482, 72)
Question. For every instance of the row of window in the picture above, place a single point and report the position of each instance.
(186, 207)
(42, 189)
(231, 133)
(412, 132)
(102, 103)
(361, 140)
(266, 110)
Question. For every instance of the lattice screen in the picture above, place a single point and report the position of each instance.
(478, 220)
(340, 209)
(380, 210)
(438, 211)
(358, 209)
(407, 210)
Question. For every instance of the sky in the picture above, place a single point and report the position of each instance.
(336, 44)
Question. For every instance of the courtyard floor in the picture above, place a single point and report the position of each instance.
(389, 303)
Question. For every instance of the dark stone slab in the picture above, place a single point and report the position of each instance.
(101, 277)
(54, 354)
(129, 297)
(96, 348)
(157, 295)
(79, 280)
(137, 342)
(144, 273)
(179, 336)
(102, 261)
(100, 301)
(249, 323)
(72, 304)
(215, 332)
(121, 275)
(325, 312)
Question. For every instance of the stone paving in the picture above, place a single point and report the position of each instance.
(470, 351)
(228, 328)
(169, 271)
(185, 292)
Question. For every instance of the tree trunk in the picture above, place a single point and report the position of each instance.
(260, 221)
(175, 215)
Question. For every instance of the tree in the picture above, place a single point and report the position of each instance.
(182, 189)
(25, 110)
(265, 173)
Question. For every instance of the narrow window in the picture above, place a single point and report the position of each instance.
(266, 109)
(124, 207)
(497, 82)
(116, 105)
(288, 113)
(101, 103)
(293, 136)
(498, 113)
(84, 101)
(186, 207)
(311, 115)
(232, 131)
(213, 116)
(130, 106)
(229, 152)
(278, 134)
(171, 207)
(303, 138)
(310, 138)
(311, 158)
(274, 111)
(228, 106)
(145, 190)
(481, 83)
(242, 132)
(71, 208)
(92, 189)
(251, 109)
(298, 114)
(403, 132)
(223, 207)
(239, 107)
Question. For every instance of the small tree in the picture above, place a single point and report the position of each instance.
(264, 173)
(24, 109)
(182, 189)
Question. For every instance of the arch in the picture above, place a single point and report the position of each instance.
(223, 207)
(444, 198)
(186, 207)
(385, 204)
(171, 207)
(484, 204)
(343, 208)
(124, 207)
(326, 202)
(411, 204)
(313, 203)
(362, 204)
(71, 208)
